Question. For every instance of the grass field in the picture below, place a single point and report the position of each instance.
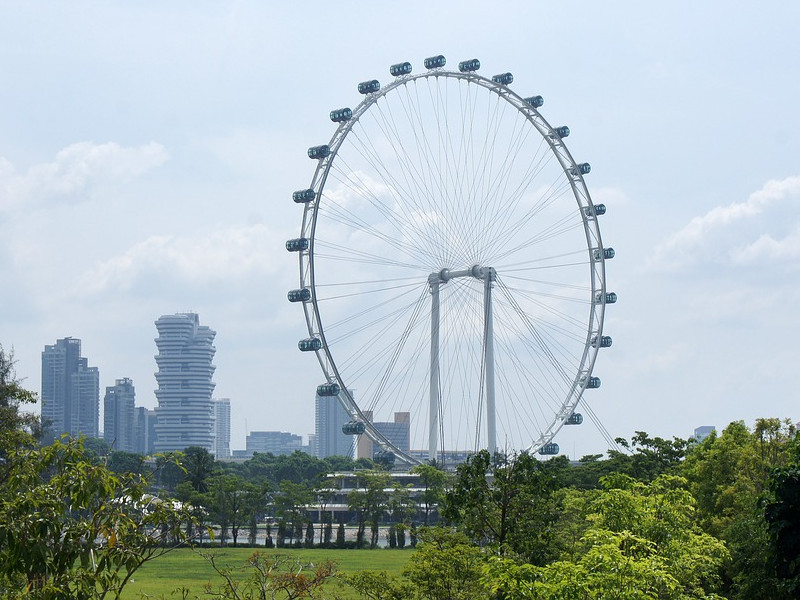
(187, 569)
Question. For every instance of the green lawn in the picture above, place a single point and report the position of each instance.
(186, 569)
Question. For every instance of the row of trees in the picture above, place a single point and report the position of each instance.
(667, 520)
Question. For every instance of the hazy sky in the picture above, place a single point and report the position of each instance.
(148, 152)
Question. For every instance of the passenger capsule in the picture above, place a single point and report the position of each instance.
(301, 295)
(596, 210)
(535, 101)
(368, 87)
(399, 69)
(550, 449)
(610, 298)
(354, 428)
(297, 244)
(562, 131)
(341, 114)
(606, 253)
(435, 62)
(319, 151)
(309, 344)
(582, 169)
(593, 383)
(604, 341)
(386, 458)
(328, 389)
(574, 419)
(503, 78)
(466, 66)
(304, 196)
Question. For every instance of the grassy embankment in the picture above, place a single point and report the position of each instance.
(186, 569)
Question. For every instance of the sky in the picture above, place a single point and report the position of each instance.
(148, 152)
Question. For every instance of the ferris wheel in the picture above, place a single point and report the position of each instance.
(452, 272)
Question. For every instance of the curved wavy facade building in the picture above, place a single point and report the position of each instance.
(185, 412)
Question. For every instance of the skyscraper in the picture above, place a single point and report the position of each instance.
(398, 432)
(119, 416)
(329, 416)
(70, 391)
(185, 412)
(222, 428)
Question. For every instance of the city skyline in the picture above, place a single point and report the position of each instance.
(149, 154)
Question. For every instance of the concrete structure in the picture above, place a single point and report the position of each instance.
(398, 432)
(222, 428)
(119, 416)
(329, 416)
(145, 430)
(70, 391)
(703, 432)
(185, 412)
(274, 442)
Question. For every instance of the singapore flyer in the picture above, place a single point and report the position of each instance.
(451, 268)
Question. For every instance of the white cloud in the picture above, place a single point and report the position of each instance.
(228, 255)
(768, 248)
(75, 171)
(737, 233)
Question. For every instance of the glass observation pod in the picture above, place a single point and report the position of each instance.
(304, 196)
(328, 389)
(562, 131)
(403, 68)
(574, 419)
(606, 253)
(466, 66)
(341, 114)
(354, 428)
(503, 78)
(583, 169)
(535, 101)
(596, 210)
(435, 62)
(297, 245)
(302, 295)
(611, 297)
(319, 151)
(592, 384)
(550, 449)
(385, 457)
(309, 344)
(368, 87)
(604, 342)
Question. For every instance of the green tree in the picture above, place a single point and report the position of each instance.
(641, 544)
(434, 483)
(446, 566)
(230, 495)
(729, 476)
(783, 518)
(70, 528)
(198, 464)
(370, 502)
(290, 504)
(507, 503)
(18, 428)
(120, 461)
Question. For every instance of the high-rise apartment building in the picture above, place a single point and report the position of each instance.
(185, 412)
(273, 442)
(398, 432)
(119, 416)
(222, 428)
(329, 416)
(145, 430)
(70, 391)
